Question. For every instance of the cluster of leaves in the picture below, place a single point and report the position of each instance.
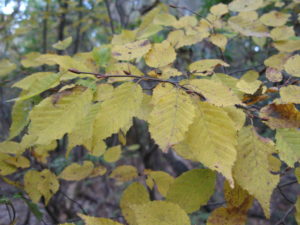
(202, 115)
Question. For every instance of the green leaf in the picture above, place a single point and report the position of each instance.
(192, 189)
(62, 45)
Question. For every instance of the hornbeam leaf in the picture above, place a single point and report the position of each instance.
(238, 202)
(288, 144)
(287, 46)
(251, 169)
(206, 66)
(214, 92)
(135, 194)
(211, 140)
(36, 84)
(172, 114)
(90, 220)
(274, 18)
(160, 212)
(245, 5)
(192, 189)
(76, 171)
(281, 116)
(292, 66)
(160, 179)
(62, 45)
(290, 94)
(117, 111)
(52, 118)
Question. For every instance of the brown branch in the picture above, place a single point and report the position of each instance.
(145, 78)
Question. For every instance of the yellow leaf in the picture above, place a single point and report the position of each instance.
(205, 66)
(228, 81)
(126, 36)
(245, 5)
(116, 112)
(290, 94)
(168, 72)
(38, 184)
(112, 154)
(238, 203)
(6, 67)
(192, 189)
(18, 161)
(164, 19)
(273, 74)
(19, 117)
(161, 180)
(214, 92)
(172, 114)
(281, 116)
(98, 171)
(62, 45)
(237, 115)
(282, 33)
(277, 61)
(178, 38)
(274, 19)
(124, 173)
(297, 174)
(11, 147)
(30, 60)
(131, 50)
(76, 171)
(251, 169)
(36, 84)
(5, 168)
(210, 141)
(41, 152)
(292, 65)
(51, 121)
(90, 220)
(160, 212)
(248, 27)
(219, 9)
(185, 21)
(103, 92)
(154, 57)
(249, 83)
(135, 194)
(145, 108)
(287, 46)
(288, 144)
(219, 40)
(122, 69)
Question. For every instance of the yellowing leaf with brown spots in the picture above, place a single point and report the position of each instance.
(77, 171)
(160, 179)
(134, 195)
(214, 92)
(211, 141)
(292, 65)
(249, 83)
(274, 18)
(38, 184)
(288, 144)
(112, 154)
(124, 173)
(160, 212)
(131, 50)
(245, 5)
(281, 116)
(90, 220)
(192, 189)
(251, 169)
(235, 213)
(154, 56)
(171, 116)
(273, 75)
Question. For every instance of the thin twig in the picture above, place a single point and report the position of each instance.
(145, 78)
(75, 202)
(281, 221)
(283, 195)
(288, 183)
